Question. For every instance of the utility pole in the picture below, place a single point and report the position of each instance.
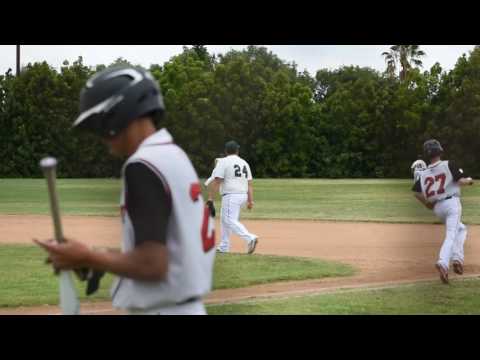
(18, 60)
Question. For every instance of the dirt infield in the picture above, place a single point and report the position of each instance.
(384, 253)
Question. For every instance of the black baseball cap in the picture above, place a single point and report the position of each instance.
(231, 147)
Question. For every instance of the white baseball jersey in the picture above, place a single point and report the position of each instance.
(212, 177)
(235, 173)
(190, 232)
(417, 167)
(438, 183)
(416, 174)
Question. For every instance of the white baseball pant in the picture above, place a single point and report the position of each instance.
(450, 212)
(230, 215)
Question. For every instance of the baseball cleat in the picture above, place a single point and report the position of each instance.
(457, 267)
(443, 273)
(252, 245)
(220, 251)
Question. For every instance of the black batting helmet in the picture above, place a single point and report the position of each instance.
(114, 97)
(231, 147)
(432, 148)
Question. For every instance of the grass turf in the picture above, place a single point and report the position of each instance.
(458, 298)
(26, 281)
(309, 199)
(239, 270)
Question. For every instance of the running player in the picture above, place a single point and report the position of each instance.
(438, 188)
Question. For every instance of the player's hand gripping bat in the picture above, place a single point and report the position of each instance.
(69, 302)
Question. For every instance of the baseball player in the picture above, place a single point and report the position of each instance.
(233, 177)
(168, 246)
(438, 188)
(417, 167)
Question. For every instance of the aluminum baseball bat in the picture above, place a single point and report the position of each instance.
(69, 302)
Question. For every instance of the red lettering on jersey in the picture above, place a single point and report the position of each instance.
(208, 240)
(442, 178)
(195, 191)
(429, 181)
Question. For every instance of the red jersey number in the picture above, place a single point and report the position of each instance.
(195, 191)
(442, 178)
(429, 181)
(208, 240)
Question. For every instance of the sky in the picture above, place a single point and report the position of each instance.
(307, 57)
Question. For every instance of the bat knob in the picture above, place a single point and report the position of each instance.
(48, 162)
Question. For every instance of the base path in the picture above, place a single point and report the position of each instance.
(383, 253)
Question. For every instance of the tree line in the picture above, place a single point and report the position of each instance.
(347, 122)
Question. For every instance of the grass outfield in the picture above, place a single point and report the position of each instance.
(461, 297)
(26, 281)
(315, 199)
(76, 196)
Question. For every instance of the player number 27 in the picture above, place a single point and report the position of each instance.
(429, 181)
(238, 173)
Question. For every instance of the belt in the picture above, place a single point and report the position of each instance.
(449, 197)
(163, 307)
(188, 301)
(233, 194)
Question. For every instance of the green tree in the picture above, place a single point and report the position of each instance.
(347, 122)
(391, 58)
(203, 54)
(31, 106)
(408, 56)
(187, 82)
(457, 120)
(266, 106)
(84, 154)
(40, 107)
(352, 102)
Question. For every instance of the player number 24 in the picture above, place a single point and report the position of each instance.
(238, 173)
(429, 181)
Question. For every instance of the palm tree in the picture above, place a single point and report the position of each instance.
(406, 55)
(391, 60)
